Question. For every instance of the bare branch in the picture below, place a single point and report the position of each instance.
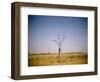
(58, 37)
(63, 38)
(56, 41)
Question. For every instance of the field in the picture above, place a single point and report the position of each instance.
(45, 59)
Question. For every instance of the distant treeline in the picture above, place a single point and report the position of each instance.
(84, 53)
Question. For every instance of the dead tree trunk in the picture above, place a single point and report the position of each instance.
(59, 52)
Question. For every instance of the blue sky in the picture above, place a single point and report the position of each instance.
(42, 30)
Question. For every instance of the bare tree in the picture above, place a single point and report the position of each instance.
(59, 41)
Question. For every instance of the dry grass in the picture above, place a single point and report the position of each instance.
(46, 59)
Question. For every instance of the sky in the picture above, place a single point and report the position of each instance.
(43, 30)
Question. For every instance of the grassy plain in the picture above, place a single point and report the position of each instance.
(46, 59)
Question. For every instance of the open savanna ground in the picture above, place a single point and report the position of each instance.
(45, 59)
